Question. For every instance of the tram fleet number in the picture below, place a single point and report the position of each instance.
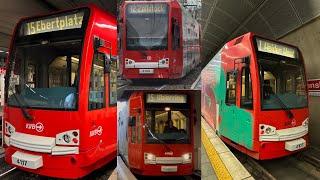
(22, 162)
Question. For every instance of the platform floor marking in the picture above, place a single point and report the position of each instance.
(219, 167)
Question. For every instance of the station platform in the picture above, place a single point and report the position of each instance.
(217, 161)
(121, 172)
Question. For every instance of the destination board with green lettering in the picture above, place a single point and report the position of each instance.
(166, 98)
(276, 48)
(147, 8)
(50, 24)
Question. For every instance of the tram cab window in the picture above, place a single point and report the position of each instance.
(46, 75)
(282, 82)
(97, 83)
(246, 89)
(231, 89)
(171, 126)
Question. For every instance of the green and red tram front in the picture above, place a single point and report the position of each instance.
(254, 94)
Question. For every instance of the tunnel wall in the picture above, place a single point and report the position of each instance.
(307, 38)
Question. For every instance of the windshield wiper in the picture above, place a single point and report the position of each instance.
(23, 108)
(156, 138)
(283, 106)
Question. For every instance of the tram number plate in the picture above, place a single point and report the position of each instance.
(169, 168)
(295, 144)
(146, 71)
(27, 160)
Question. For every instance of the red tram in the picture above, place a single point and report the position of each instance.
(156, 133)
(254, 94)
(60, 103)
(158, 40)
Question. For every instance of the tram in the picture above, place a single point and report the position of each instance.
(158, 40)
(254, 94)
(60, 93)
(156, 133)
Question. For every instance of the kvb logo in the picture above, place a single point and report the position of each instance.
(38, 126)
(97, 131)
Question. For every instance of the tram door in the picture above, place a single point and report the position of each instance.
(102, 88)
(134, 134)
(244, 103)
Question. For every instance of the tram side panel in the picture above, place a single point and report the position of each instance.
(123, 117)
(190, 41)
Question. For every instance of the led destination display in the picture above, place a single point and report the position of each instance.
(276, 48)
(147, 8)
(63, 22)
(166, 98)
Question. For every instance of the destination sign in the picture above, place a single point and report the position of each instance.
(64, 22)
(276, 48)
(147, 8)
(166, 98)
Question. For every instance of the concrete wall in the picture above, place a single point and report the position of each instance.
(307, 38)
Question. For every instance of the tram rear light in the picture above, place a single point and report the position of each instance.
(149, 158)
(186, 158)
(75, 140)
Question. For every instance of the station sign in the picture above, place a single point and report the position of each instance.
(58, 23)
(314, 87)
(276, 48)
(166, 98)
(147, 8)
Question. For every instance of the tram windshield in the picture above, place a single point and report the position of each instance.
(283, 83)
(168, 125)
(147, 26)
(45, 75)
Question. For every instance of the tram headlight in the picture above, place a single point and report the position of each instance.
(149, 158)
(9, 128)
(68, 138)
(268, 130)
(186, 158)
(265, 129)
(163, 63)
(305, 123)
(129, 63)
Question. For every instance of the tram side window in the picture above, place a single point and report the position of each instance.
(133, 134)
(231, 89)
(113, 84)
(246, 89)
(97, 83)
(138, 129)
(175, 34)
